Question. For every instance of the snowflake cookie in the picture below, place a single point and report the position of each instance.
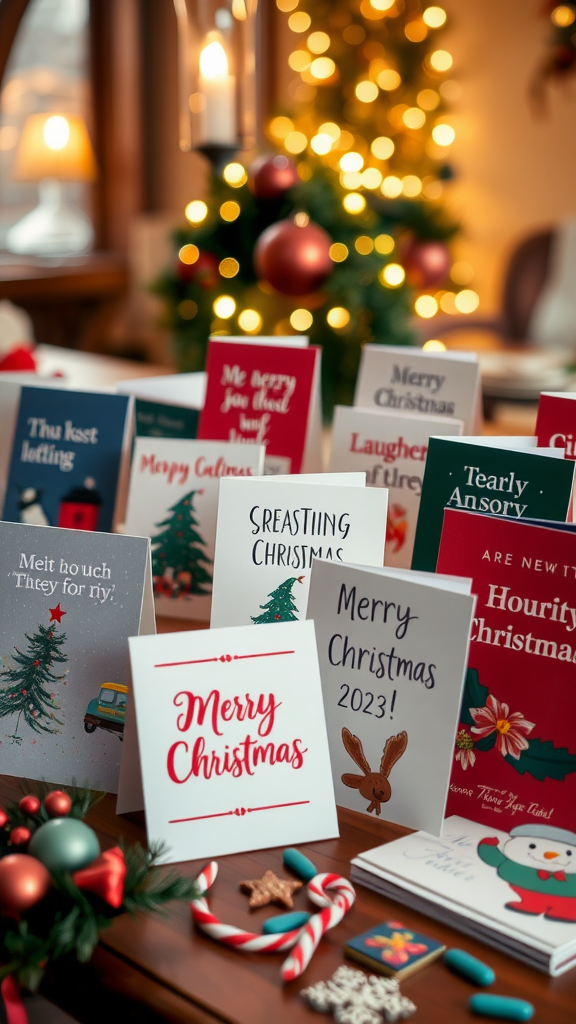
(356, 998)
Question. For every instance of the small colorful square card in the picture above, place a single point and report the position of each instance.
(405, 379)
(67, 452)
(391, 448)
(167, 406)
(232, 739)
(392, 948)
(173, 499)
(266, 393)
(393, 647)
(70, 600)
(269, 532)
(504, 476)
(514, 761)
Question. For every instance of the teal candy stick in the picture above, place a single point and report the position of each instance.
(500, 1007)
(285, 922)
(469, 967)
(299, 864)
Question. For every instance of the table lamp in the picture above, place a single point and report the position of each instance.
(53, 148)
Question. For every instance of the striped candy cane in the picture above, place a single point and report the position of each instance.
(304, 940)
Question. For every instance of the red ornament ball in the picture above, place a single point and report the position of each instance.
(294, 258)
(3, 817)
(20, 836)
(272, 176)
(58, 804)
(36, 663)
(24, 881)
(426, 263)
(203, 272)
(30, 804)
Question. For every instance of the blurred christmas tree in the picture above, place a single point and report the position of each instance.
(342, 235)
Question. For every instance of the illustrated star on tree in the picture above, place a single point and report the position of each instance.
(28, 689)
(280, 607)
(178, 551)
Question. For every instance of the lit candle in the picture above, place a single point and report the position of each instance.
(218, 116)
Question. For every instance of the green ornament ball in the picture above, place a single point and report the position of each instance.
(64, 844)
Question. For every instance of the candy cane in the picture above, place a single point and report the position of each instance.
(305, 940)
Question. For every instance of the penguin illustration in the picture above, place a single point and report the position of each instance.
(30, 509)
(539, 864)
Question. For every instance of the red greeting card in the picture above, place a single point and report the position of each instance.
(515, 753)
(265, 394)
(556, 423)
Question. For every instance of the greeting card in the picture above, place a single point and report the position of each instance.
(268, 534)
(70, 600)
(556, 422)
(392, 448)
(173, 499)
(167, 406)
(232, 738)
(392, 647)
(491, 475)
(66, 458)
(515, 753)
(265, 394)
(402, 379)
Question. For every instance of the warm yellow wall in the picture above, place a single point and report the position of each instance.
(517, 171)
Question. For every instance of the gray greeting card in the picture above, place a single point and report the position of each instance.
(69, 601)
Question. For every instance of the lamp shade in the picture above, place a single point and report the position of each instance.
(54, 146)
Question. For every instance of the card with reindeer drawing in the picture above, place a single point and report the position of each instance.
(70, 600)
(392, 646)
(391, 448)
(269, 532)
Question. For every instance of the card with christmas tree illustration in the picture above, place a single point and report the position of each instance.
(262, 393)
(505, 476)
(391, 448)
(70, 600)
(406, 379)
(515, 753)
(392, 646)
(232, 737)
(66, 459)
(173, 499)
(269, 532)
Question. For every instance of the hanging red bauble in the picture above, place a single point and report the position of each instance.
(30, 804)
(24, 881)
(426, 263)
(20, 836)
(203, 272)
(58, 804)
(272, 176)
(294, 256)
(3, 817)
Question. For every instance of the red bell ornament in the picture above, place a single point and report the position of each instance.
(272, 176)
(24, 881)
(30, 804)
(294, 256)
(426, 263)
(58, 804)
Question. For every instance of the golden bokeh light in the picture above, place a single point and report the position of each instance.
(224, 306)
(187, 309)
(382, 147)
(414, 117)
(451, 90)
(428, 99)
(331, 129)
(351, 180)
(230, 210)
(391, 186)
(434, 345)
(415, 30)
(411, 185)
(434, 17)
(345, 140)
(322, 68)
(301, 319)
(338, 317)
(318, 42)
(189, 254)
(338, 252)
(563, 16)
(295, 142)
(388, 80)
(354, 202)
(287, 5)
(393, 275)
(250, 321)
(234, 174)
(299, 60)
(462, 272)
(371, 177)
(366, 91)
(426, 306)
(443, 134)
(364, 245)
(321, 144)
(280, 127)
(351, 162)
(196, 211)
(382, 5)
(229, 267)
(432, 188)
(299, 22)
(441, 60)
(384, 244)
(448, 303)
(467, 301)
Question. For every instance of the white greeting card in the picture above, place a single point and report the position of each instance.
(233, 741)
(405, 379)
(268, 534)
(173, 499)
(391, 448)
(393, 648)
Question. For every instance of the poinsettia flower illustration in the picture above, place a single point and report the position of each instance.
(465, 749)
(512, 728)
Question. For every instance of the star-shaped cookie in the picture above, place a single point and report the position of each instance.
(270, 889)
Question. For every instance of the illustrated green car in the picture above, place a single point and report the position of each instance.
(108, 709)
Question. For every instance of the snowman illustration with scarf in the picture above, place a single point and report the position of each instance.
(539, 864)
